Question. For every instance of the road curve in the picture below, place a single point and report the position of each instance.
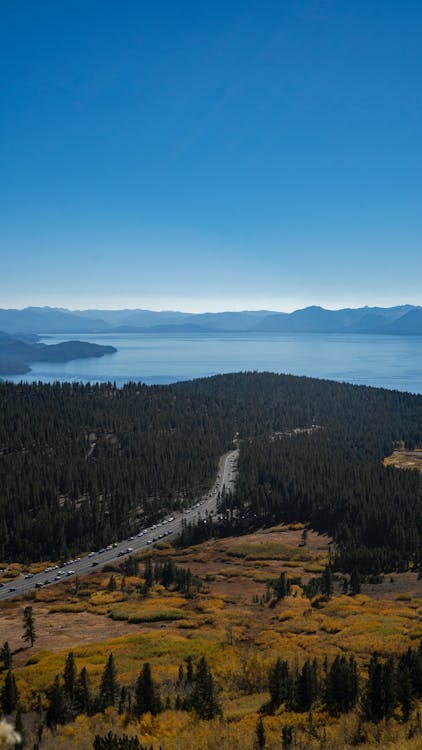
(146, 538)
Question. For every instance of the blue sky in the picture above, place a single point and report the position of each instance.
(210, 155)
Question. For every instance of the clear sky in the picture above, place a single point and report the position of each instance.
(210, 154)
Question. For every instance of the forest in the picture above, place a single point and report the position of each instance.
(80, 464)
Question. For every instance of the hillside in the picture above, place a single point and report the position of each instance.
(90, 462)
(221, 600)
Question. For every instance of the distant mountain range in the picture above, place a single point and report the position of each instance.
(401, 320)
(17, 352)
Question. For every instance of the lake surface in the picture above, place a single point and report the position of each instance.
(383, 361)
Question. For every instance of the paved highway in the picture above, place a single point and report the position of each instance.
(147, 537)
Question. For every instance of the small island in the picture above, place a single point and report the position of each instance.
(17, 352)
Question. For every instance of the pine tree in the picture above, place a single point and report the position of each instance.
(260, 734)
(69, 677)
(189, 669)
(6, 656)
(9, 696)
(381, 690)
(114, 742)
(82, 693)
(112, 585)
(327, 583)
(147, 698)
(28, 626)
(306, 686)
(341, 685)
(282, 586)
(109, 688)
(56, 712)
(19, 728)
(280, 684)
(286, 737)
(355, 582)
(148, 574)
(203, 698)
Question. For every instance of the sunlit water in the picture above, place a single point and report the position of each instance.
(383, 361)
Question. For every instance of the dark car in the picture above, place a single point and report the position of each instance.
(12, 588)
(94, 564)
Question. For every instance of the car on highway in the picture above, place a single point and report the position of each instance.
(12, 588)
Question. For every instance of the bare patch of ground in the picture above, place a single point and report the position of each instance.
(405, 459)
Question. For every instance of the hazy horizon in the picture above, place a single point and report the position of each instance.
(213, 308)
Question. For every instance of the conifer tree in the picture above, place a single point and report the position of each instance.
(56, 712)
(82, 693)
(19, 728)
(306, 686)
(112, 585)
(147, 697)
(6, 656)
(280, 684)
(203, 698)
(327, 583)
(286, 737)
(189, 669)
(28, 626)
(355, 582)
(381, 690)
(108, 688)
(260, 734)
(9, 695)
(148, 574)
(69, 677)
(341, 685)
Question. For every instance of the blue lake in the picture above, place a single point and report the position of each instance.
(383, 361)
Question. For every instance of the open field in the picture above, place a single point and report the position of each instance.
(232, 620)
(405, 459)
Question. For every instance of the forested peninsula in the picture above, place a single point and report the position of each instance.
(17, 352)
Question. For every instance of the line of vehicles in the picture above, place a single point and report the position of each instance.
(154, 533)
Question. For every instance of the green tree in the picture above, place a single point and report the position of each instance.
(380, 694)
(260, 734)
(147, 697)
(327, 583)
(28, 626)
(355, 582)
(9, 695)
(306, 690)
(112, 585)
(281, 586)
(109, 688)
(280, 684)
(82, 693)
(286, 737)
(19, 727)
(204, 698)
(341, 685)
(69, 677)
(113, 742)
(148, 574)
(56, 711)
(6, 656)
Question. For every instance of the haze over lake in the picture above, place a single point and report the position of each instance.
(382, 361)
